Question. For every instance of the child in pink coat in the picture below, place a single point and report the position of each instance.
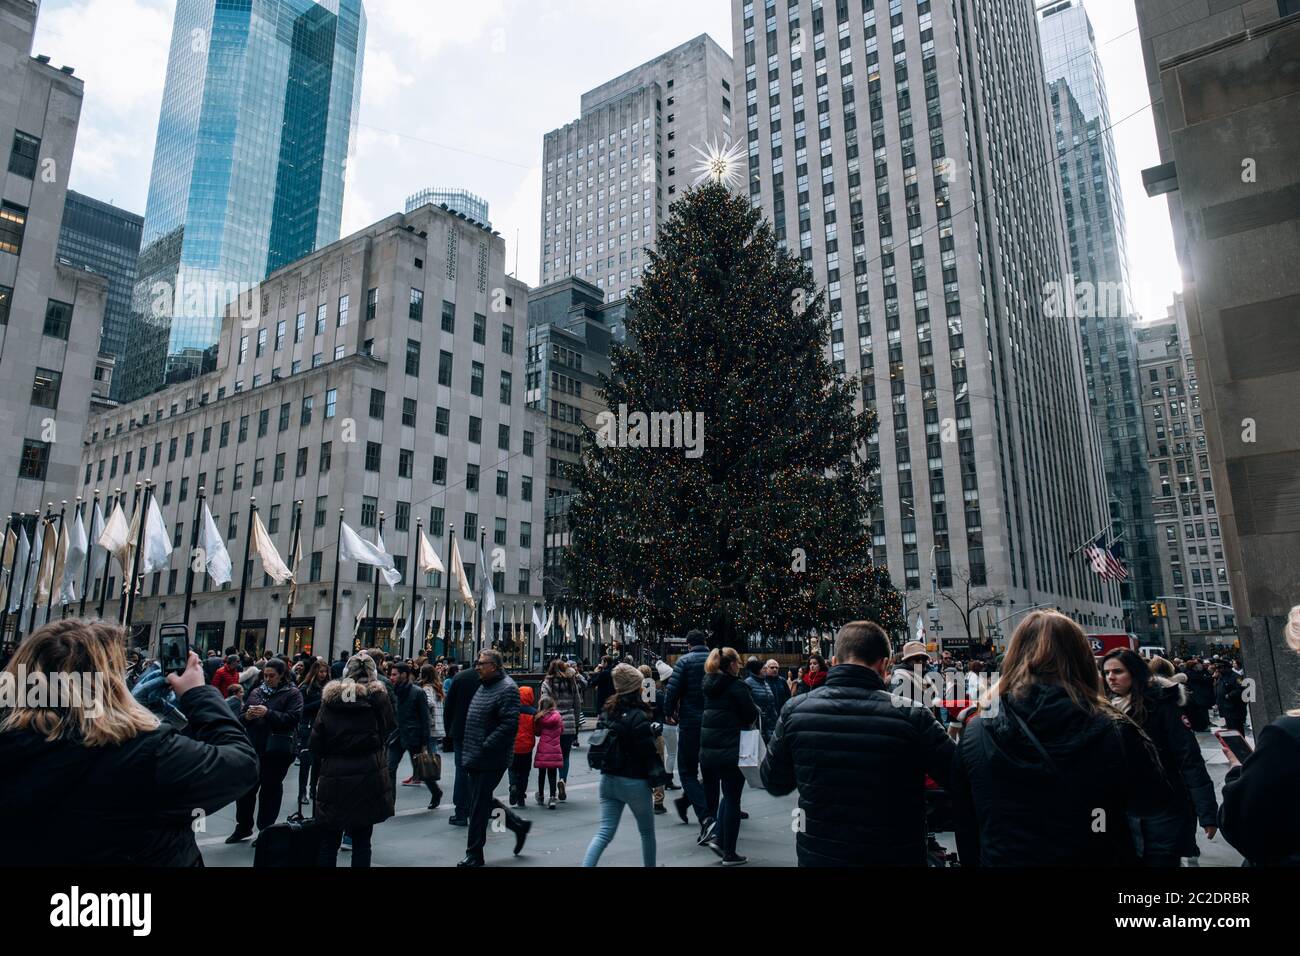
(548, 725)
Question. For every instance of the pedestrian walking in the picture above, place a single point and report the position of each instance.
(431, 683)
(631, 766)
(99, 780)
(1200, 690)
(1228, 695)
(859, 757)
(548, 725)
(1155, 704)
(411, 734)
(348, 742)
(684, 706)
(460, 693)
(1048, 771)
(564, 686)
(762, 694)
(271, 717)
(490, 728)
(650, 683)
(1260, 795)
(311, 687)
(729, 708)
(521, 768)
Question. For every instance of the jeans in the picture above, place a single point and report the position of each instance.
(615, 793)
(460, 786)
(328, 853)
(727, 808)
(480, 785)
(688, 765)
(566, 742)
(271, 771)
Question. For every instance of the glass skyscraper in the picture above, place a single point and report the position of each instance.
(258, 117)
(1094, 221)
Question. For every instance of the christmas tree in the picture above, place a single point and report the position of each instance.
(756, 517)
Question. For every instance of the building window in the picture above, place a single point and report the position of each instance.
(263, 424)
(284, 416)
(444, 368)
(439, 470)
(45, 388)
(528, 444)
(475, 429)
(416, 311)
(316, 560)
(374, 451)
(279, 335)
(273, 520)
(503, 437)
(480, 328)
(471, 477)
(436, 519)
(377, 403)
(331, 402)
(308, 402)
(58, 319)
(405, 463)
(320, 318)
(402, 517)
(526, 488)
(278, 474)
(499, 531)
(300, 463)
(508, 339)
(6, 299)
(369, 511)
(320, 510)
(503, 483)
(36, 456)
(448, 316)
(372, 304)
(24, 155)
(476, 378)
(261, 343)
(413, 357)
(471, 533)
(239, 476)
(326, 456)
(344, 309)
(299, 326)
(506, 381)
(13, 222)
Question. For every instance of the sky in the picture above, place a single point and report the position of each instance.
(460, 94)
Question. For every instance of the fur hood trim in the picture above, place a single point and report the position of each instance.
(346, 690)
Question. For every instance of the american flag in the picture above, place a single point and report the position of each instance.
(1104, 562)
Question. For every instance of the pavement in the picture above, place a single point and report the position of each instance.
(417, 836)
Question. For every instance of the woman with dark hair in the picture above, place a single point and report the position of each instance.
(813, 676)
(96, 779)
(729, 708)
(1048, 771)
(1155, 704)
(632, 766)
(271, 715)
(316, 674)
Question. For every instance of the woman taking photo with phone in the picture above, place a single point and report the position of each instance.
(96, 779)
(1155, 704)
(271, 716)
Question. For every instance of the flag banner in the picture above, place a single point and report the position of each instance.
(49, 558)
(116, 538)
(156, 552)
(11, 545)
(489, 593)
(216, 559)
(426, 558)
(353, 548)
(75, 550)
(390, 572)
(361, 616)
(550, 620)
(98, 558)
(537, 622)
(33, 571)
(272, 563)
(458, 576)
(22, 557)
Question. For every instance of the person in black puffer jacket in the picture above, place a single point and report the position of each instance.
(111, 785)
(1155, 705)
(348, 741)
(684, 706)
(455, 709)
(729, 708)
(761, 691)
(859, 756)
(1048, 771)
(490, 728)
(1228, 694)
(1200, 690)
(411, 735)
(1260, 796)
(629, 775)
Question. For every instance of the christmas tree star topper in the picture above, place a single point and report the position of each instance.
(719, 164)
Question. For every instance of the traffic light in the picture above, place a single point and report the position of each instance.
(1158, 609)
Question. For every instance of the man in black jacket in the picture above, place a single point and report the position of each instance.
(411, 735)
(455, 707)
(490, 727)
(684, 706)
(859, 757)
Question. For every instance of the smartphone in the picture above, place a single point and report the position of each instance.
(1235, 746)
(174, 648)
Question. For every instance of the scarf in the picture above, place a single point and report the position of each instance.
(815, 680)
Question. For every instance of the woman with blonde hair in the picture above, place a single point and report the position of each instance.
(729, 708)
(1260, 796)
(1048, 771)
(91, 777)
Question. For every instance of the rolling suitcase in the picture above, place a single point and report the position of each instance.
(296, 842)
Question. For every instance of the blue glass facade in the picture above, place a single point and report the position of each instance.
(258, 118)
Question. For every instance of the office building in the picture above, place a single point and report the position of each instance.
(1194, 588)
(610, 175)
(893, 143)
(259, 114)
(50, 311)
(101, 238)
(460, 201)
(382, 373)
(1225, 119)
(1102, 303)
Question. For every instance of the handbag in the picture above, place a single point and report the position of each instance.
(752, 753)
(427, 766)
(280, 743)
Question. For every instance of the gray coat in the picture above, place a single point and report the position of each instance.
(491, 725)
(567, 694)
(767, 707)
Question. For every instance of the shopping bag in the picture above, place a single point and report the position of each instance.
(670, 747)
(752, 752)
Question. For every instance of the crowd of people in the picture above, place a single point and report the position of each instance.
(1045, 756)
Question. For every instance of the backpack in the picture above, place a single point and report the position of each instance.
(602, 748)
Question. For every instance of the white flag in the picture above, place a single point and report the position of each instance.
(216, 558)
(34, 563)
(489, 592)
(11, 545)
(272, 563)
(426, 558)
(157, 548)
(98, 556)
(353, 548)
(920, 628)
(390, 573)
(74, 565)
(550, 620)
(458, 575)
(537, 622)
(21, 560)
(361, 615)
(116, 538)
(46, 572)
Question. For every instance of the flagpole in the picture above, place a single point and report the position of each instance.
(49, 599)
(194, 543)
(79, 513)
(142, 509)
(27, 570)
(243, 576)
(31, 618)
(374, 594)
(446, 612)
(291, 604)
(103, 584)
(9, 591)
(90, 550)
(415, 571)
(334, 606)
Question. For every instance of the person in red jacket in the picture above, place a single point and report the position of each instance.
(227, 674)
(521, 767)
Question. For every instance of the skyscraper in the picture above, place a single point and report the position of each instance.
(921, 131)
(611, 174)
(1094, 221)
(104, 239)
(258, 117)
